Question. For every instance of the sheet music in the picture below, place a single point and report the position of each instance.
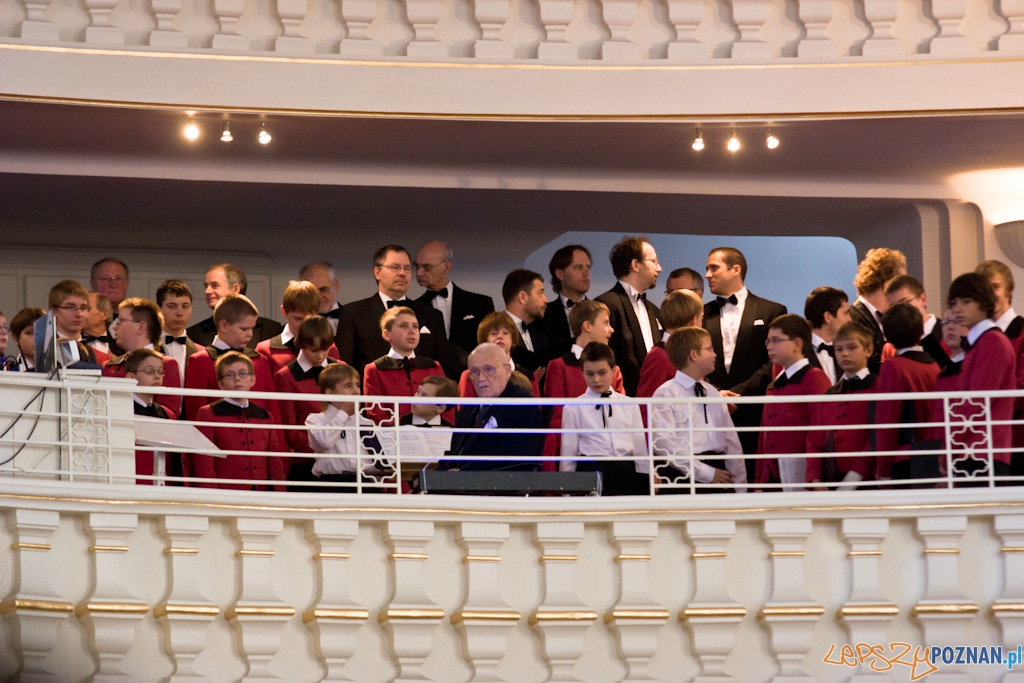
(416, 443)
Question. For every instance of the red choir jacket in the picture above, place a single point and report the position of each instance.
(564, 379)
(235, 435)
(914, 371)
(291, 379)
(807, 380)
(656, 370)
(387, 376)
(144, 459)
(172, 380)
(280, 354)
(201, 373)
(829, 418)
(988, 366)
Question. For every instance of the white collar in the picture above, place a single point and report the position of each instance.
(868, 305)
(916, 347)
(139, 401)
(977, 330)
(434, 421)
(305, 364)
(286, 335)
(1005, 319)
(796, 367)
(243, 404)
(520, 325)
(929, 325)
(577, 351)
(632, 291)
(219, 343)
(741, 295)
(860, 374)
(385, 298)
(817, 341)
(397, 356)
(590, 393)
(684, 380)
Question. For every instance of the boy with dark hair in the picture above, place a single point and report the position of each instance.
(906, 289)
(299, 376)
(175, 301)
(235, 318)
(826, 309)
(910, 370)
(235, 372)
(138, 326)
(718, 455)
(301, 300)
(23, 331)
(147, 368)
(829, 418)
(789, 336)
(613, 429)
(400, 372)
(429, 414)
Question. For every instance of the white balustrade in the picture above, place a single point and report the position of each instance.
(1008, 608)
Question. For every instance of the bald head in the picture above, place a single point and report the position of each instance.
(323, 278)
(433, 262)
(489, 370)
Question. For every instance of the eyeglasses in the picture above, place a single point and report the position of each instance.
(772, 341)
(115, 278)
(427, 267)
(159, 372)
(655, 261)
(485, 371)
(239, 374)
(125, 320)
(907, 301)
(395, 268)
(70, 307)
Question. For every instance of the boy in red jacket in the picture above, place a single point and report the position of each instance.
(147, 368)
(400, 371)
(789, 338)
(235, 372)
(301, 300)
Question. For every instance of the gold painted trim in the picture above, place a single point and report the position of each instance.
(1012, 549)
(417, 614)
(485, 615)
(254, 553)
(36, 606)
(712, 612)
(701, 556)
(632, 558)
(110, 608)
(181, 551)
(558, 558)
(868, 611)
(330, 556)
(962, 608)
(185, 610)
(481, 558)
(560, 615)
(636, 614)
(408, 556)
(335, 614)
(258, 611)
(108, 549)
(941, 551)
(864, 553)
(787, 553)
(31, 546)
(790, 611)
(1007, 607)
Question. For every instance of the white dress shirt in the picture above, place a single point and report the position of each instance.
(523, 332)
(334, 321)
(828, 365)
(335, 432)
(1003, 321)
(444, 304)
(671, 430)
(730, 316)
(603, 422)
(640, 310)
(176, 351)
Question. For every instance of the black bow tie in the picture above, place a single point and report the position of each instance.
(443, 293)
(168, 339)
(569, 303)
(396, 302)
(827, 348)
(965, 345)
(780, 381)
(105, 338)
(599, 406)
(698, 390)
(731, 299)
(852, 384)
(642, 296)
(333, 313)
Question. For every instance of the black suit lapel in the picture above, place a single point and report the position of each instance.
(629, 315)
(713, 324)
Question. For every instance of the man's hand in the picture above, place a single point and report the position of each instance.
(729, 394)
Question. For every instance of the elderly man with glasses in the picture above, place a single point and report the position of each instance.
(462, 310)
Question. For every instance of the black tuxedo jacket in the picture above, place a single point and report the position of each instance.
(556, 324)
(492, 444)
(750, 353)
(628, 340)
(932, 345)
(368, 345)
(344, 337)
(203, 332)
(859, 313)
(468, 309)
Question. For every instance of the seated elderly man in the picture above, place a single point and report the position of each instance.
(491, 376)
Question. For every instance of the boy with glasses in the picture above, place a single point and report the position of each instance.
(138, 326)
(69, 302)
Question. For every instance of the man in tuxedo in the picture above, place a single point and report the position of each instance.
(221, 280)
(462, 310)
(878, 267)
(738, 322)
(322, 276)
(685, 278)
(826, 310)
(636, 321)
(392, 269)
(109, 277)
(525, 303)
(907, 289)
(570, 278)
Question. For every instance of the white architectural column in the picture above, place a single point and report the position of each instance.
(492, 15)
(111, 611)
(815, 16)
(949, 14)
(424, 16)
(1013, 39)
(556, 15)
(319, 30)
(711, 614)
(1009, 607)
(411, 618)
(635, 618)
(484, 621)
(259, 615)
(135, 19)
(33, 609)
(185, 614)
(247, 25)
(685, 18)
(943, 611)
(193, 25)
(165, 35)
(620, 16)
(335, 618)
(750, 17)
(881, 15)
(561, 618)
(866, 612)
(100, 30)
(789, 613)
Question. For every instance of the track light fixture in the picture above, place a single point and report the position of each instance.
(770, 140)
(734, 143)
(191, 130)
(264, 136)
(698, 142)
(226, 135)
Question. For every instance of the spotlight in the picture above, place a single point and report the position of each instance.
(698, 142)
(191, 130)
(264, 136)
(226, 135)
(734, 143)
(770, 140)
